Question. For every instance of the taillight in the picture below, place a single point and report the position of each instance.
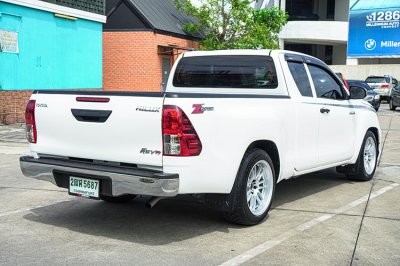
(31, 133)
(179, 136)
(384, 86)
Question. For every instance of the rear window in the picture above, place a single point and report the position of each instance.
(377, 80)
(228, 71)
(300, 77)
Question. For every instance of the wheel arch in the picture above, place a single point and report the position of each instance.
(375, 131)
(269, 147)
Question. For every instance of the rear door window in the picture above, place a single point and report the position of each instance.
(299, 74)
(227, 71)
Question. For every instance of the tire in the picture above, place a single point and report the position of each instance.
(377, 107)
(247, 193)
(119, 199)
(364, 168)
(391, 105)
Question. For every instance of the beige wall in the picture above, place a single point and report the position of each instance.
(361, 72)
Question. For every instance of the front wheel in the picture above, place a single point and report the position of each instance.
(391, 105)
(253, 190)
(365, 166)
(377, 107)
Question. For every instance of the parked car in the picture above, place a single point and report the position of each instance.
(216, 132)
(382, 85)
(372, 97)
(394, 100)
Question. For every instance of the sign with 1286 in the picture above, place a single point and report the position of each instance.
(374, 29)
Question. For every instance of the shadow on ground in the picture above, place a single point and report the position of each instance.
(172, 220)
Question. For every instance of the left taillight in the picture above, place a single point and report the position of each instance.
(31, 133)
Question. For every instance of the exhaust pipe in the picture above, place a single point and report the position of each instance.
(153, 201)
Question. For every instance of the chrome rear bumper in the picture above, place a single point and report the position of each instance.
(116, 181)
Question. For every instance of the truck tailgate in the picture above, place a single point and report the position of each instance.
(125, 129)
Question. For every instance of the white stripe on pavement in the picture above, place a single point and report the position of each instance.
(248, 255)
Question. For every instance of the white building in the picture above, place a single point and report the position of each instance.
(319, 28)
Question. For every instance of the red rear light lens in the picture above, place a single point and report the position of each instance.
(31, 133)
(179, 136)
(385, 86)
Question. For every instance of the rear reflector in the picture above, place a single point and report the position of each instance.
(92, 99)
(31, 133)
(179, 136)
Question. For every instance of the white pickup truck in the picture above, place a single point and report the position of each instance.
(230, 125)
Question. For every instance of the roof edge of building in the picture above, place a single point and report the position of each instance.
(40, 5)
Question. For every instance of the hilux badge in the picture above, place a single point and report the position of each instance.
(152, 109)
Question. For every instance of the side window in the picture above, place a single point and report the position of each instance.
(300, 77)
(325, 85)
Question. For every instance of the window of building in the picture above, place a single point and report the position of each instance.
(230, 71)
(300, 77)
(302, 9)
(330, 9)
(325, 85)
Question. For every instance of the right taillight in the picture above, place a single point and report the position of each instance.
(384, 86)
(31, 133)
(179, 136)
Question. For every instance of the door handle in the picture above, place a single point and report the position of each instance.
(93, 116)
(324, 110)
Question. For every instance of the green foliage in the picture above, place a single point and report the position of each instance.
(233, 24)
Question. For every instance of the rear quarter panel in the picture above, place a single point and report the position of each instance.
(226, 133)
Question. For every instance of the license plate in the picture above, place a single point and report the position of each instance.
(82, 187)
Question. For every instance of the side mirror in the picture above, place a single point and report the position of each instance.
(357, 92)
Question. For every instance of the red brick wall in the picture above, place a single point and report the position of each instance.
(12, 106)
(131, 61)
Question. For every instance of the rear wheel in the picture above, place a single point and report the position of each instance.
(254, 188)
(365, 166)
(391, 105)
(119, 199)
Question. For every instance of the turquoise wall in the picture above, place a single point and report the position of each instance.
(54, 53)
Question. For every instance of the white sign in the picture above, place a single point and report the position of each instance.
(9, 42)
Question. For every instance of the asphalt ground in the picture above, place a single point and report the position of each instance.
(317, 219)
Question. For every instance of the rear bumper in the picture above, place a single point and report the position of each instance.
(115, 181)
(383, 92)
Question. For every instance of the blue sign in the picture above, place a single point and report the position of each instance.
(374, 28)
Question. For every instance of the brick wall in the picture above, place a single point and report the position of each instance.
(12, 106)
(131, 61)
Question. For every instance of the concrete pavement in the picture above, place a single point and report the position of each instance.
(316, 219)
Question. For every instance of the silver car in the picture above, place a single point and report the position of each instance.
(382, 85)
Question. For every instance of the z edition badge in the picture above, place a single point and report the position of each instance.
(199, 108)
